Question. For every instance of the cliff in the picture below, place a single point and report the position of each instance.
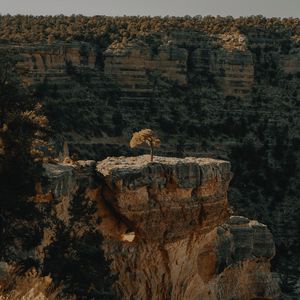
(166, 226)
(219, 87)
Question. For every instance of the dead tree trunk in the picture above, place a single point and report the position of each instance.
(151, 151)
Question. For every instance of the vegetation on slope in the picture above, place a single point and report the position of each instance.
(260, 135)
(105, 30)
(76, 263)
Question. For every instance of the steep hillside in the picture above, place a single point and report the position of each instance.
(222, 87)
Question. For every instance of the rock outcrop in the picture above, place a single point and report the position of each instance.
(167, 229)
(134, 65)
(218, 87)
(179, 57)
(166, 199)
(49, 62)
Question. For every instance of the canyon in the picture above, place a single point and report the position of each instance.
(222, 88)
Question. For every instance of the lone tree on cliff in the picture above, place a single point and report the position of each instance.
(145, 136)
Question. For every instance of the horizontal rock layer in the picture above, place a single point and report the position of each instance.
(168, 198)
(167, 229)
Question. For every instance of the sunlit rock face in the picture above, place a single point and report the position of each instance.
(167, 230)
(185, 244)
(180, 56)
(167, 199)
(48, 61)
(133, 65)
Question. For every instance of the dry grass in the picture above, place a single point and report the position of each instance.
(29, 286)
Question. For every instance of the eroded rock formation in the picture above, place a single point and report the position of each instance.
(167, 228)
(229, 92)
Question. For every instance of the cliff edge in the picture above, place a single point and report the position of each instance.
(167, 229)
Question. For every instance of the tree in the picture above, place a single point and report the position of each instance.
(76, 257)
(22, 137)
(145, 136)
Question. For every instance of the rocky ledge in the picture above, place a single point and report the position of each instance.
(167, 199)
(167, 229)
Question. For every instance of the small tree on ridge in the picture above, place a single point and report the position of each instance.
(145, 136)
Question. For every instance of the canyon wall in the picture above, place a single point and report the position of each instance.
(167, 230)
(219, 87)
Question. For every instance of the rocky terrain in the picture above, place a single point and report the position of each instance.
(166, 227)
(219, 87)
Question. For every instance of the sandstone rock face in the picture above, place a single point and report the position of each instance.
(64, 179)
(167, 229)
(179, 56)
(63, 183)
(49, 61)
(186, 246)
(194, 267)
(133, 65)
(137, 66)
(167, 199)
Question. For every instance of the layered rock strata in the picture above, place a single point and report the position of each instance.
(133, 65)
(178, 57)
(167, 228)
(50, 61)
